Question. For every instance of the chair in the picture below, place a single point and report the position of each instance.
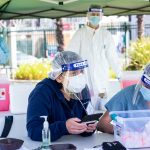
(18, 129)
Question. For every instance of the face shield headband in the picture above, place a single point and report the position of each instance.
(95, 10)
(74, 66)
(146, 80)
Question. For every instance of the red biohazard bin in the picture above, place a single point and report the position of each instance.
(4, 93)
(130, 78)
(126, 83)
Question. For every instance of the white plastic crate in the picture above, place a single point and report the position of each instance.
(132, 128)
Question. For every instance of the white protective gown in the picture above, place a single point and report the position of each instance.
(97, 46)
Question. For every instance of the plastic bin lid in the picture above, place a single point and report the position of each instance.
(130, 115)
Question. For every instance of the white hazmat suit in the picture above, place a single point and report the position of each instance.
(97, 46)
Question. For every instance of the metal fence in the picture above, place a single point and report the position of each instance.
(35, 42)
(41, 43)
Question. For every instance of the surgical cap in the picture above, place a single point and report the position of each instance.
(146, 76)
(61, 58)
(95, 8)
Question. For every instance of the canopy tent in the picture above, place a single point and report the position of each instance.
(17, 9)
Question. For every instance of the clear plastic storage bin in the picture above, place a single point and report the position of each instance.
(132, 128)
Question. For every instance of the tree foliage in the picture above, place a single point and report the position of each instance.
(139, 54)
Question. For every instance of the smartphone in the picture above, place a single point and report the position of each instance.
(91, 119)
(90, 122)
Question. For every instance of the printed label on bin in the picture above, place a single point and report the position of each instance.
(118, 130)
(2, 94)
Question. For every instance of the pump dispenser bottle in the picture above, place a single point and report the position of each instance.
(45, 135)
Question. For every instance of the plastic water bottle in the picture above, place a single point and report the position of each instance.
(45, 135)
(103, 99)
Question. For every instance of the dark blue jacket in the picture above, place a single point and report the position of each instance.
(47, 100)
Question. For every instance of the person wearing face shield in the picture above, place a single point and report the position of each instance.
(134, 97)
(64, 97)
(96, 44)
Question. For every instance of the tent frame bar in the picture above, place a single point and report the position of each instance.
(71, 13)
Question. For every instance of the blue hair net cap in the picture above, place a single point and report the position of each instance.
(61, 58)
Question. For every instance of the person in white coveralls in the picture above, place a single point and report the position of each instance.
(96, 44)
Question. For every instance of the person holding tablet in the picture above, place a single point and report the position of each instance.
(64, 97)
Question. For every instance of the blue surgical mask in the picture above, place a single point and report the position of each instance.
(94, 20)
(146, 93)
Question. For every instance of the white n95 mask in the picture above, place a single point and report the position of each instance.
(76, 83)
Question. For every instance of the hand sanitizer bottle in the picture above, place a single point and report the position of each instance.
(45, 135)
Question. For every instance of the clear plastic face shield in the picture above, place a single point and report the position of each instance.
(143, 87)
(77, 84)
(94, 16)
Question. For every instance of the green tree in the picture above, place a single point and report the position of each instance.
(139, 54)
(59, 34)
(140, 24)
